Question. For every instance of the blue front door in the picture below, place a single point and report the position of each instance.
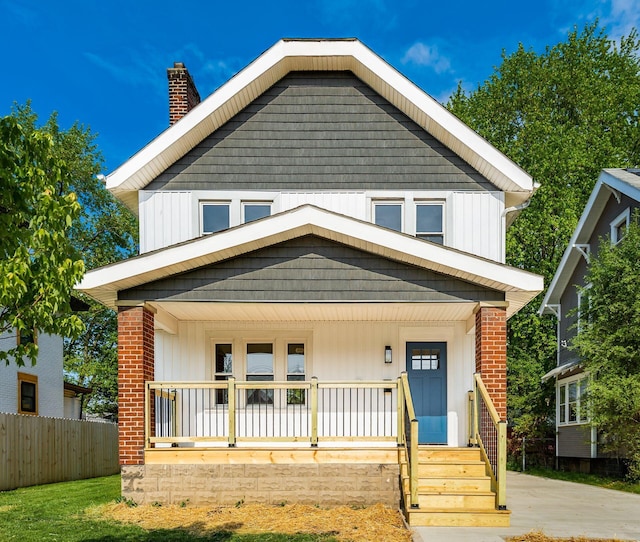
(427, 371)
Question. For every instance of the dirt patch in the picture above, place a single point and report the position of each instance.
(344, 523)
(537, 536)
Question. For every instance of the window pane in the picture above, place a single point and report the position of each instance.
(254, 211)
(224, 359)
(295, 359)
(260, 359)
(429, 218)
(389, 216)
(27, 396)
(215, 217)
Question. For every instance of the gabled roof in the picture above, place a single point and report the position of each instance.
(318, 55)
(103, 284)
(619, 180)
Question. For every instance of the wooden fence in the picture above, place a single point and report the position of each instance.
(36, 450)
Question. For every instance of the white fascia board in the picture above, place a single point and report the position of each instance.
(306, 54)
(580, 235)
(303, 221)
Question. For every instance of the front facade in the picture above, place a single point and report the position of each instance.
(606, 216)
(313, 231)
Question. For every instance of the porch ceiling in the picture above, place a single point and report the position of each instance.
(169, 312)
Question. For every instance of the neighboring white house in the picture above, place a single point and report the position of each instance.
(606, 215)
(314, 229)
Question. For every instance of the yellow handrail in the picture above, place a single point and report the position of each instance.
(412, 452)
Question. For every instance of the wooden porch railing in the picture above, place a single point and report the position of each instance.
(408, 424)
(489, 432)
(219, 412)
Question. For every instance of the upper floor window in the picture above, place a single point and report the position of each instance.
(255, 211)
(27, 394)
(429, 222)
(619, 226)
(388, 214)
(26, 337)
(215, 216)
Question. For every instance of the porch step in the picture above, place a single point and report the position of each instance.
(454, 489)
(454, 518)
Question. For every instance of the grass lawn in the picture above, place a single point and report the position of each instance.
(590, 479)
(57, 512)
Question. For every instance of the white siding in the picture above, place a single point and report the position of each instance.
(475, 224)
(351, 204)
(473, 220)
(166, 218)
(334, 351)
(48, 369)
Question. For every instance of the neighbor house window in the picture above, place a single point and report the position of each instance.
(619, 226)
(255, 211)
(27, 394)
(295, 372)
(214, 217)
(584, 306)
(223, 369)
(429, 222)
(572, 407)
(259, 368)
(388, 214)
(26, 337)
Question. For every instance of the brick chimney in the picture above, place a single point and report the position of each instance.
(183, 94)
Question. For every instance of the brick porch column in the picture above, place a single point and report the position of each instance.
(135, 367)
(491, 354)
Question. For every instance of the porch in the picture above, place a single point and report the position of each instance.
(321, 443)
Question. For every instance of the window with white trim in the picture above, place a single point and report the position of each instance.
(572, 403)
(430, 221)
(223, 369)
(295, 372)
(255, 211)
(584, 306)
(388, 214)
(260, 368)
(619, 226)
(214, 216)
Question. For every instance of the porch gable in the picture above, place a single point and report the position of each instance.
(310, 269)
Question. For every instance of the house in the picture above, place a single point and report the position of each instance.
(604, 219)
(40, 389)
(318, 311)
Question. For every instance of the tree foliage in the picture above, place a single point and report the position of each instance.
(562, 115)
(39, 264)
(609, 343)
(103, 231)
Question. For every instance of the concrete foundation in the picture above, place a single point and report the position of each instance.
(316, 484)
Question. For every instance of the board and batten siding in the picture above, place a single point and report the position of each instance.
(333, 351)
(473, 220)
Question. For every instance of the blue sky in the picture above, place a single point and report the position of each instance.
(104, 63)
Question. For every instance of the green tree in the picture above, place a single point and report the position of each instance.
(38, 262)
(103, 231)
(562, 115)
(609, 343)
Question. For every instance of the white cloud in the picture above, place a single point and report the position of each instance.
(427, 55)
(624, 15)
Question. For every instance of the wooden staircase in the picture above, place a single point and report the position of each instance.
(454, 490)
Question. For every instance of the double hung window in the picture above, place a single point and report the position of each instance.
(619, 226)
(223, 369)
(429, 222)
(572, 407)
(295, 372)
(215, 216)
(260, 368)
(27, 394)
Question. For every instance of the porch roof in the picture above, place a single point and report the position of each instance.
(103, 284)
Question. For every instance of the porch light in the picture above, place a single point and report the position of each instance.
(387, 354)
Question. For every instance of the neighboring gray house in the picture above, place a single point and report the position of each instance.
(317, 238)
(606, 216)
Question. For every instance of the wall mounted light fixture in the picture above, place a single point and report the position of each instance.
(387, 355)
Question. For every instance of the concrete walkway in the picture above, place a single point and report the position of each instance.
(554, 507)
